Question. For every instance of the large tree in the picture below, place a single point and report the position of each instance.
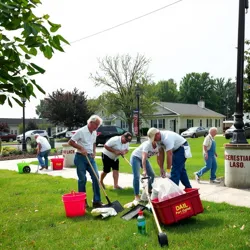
(167, 91)
(121, 75)
(23, 36)
(65, 108)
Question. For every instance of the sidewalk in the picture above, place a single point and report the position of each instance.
(208, 192)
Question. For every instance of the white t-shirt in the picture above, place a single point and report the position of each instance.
(85, 139)
(115, 143)
(44, 143)
(146, 147)
(171, 140)
(208, 142)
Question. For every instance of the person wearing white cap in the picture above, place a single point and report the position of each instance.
(173, 144)
(43, 150)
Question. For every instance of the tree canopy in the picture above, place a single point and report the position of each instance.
(65, 108)
(23, 35)
(121, 75)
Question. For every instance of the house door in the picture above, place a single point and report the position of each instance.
(173, 125)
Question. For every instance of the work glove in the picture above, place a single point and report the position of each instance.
(168, 174)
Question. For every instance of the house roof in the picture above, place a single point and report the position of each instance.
(16, 121)
(184, 109)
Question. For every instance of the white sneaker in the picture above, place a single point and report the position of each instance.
(215, 181)
(197, 178)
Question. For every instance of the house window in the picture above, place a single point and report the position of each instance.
(219, 123)
(200, 123)
(11, 131)
(123, 124)
(209, 123)
(15, 132)
(216, 123)
(190, 123)
(158, 123)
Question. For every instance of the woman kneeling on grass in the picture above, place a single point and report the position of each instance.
(138, 160)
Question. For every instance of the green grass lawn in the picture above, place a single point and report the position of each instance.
(192, 164)
(33, 217)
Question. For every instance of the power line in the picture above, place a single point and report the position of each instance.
(129, 21)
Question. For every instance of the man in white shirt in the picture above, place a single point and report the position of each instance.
(173, 144)
(84, 140)
(43, 150)
(113, 148)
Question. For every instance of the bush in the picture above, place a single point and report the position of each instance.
(33, 144)
(10, 151)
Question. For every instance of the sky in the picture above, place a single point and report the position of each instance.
(184, 36)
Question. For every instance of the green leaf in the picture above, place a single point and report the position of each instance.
(9, 102)
(2, 99)
(17, 100)
(18, 39)
(27, 56)
(62, 39)
(33, 73)
(33, 51)
(37, 68)
(48, 52)
(24, 48)
(38, 87)
(46, 17)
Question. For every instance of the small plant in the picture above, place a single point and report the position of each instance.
(33, 144)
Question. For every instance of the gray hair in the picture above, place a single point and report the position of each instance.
(94, 118)
(212, 129)
(151, 133)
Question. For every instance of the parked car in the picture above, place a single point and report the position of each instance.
(195, 132)
(4, 136)
(29, 135)
(104, 133)
(229, 132)
(61, 134)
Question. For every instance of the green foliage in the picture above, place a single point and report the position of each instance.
(121, 75)
(167, 91)
(7, 150)
(218, 95)
(69, 109)
(32, 125)
(33, 144)
(23, 36)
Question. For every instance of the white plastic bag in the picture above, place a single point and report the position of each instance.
(187, 150)
(166, 189)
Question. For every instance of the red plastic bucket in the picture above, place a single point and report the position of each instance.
(57, 163)
(74, 203)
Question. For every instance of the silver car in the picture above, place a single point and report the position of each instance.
(195, 132)
(29, 135)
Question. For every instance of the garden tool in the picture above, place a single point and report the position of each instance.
(162, 237)
(115, 204)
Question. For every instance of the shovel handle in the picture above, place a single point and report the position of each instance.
(97, 178)
(126, 160)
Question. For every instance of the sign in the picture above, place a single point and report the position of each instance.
(135, 119)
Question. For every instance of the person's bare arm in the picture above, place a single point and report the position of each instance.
(77, 146)
(144, 158)
(169, 154)
(160, 161)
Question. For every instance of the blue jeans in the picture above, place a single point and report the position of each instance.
(41, 155)
(211, 164)
(136, 166)
(178, 171)
(82, 166)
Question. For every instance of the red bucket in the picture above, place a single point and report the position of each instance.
(74, 203)
(57, 163)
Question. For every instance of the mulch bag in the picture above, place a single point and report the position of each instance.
(164, 189)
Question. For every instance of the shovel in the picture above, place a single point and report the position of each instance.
(115, 204)
(162, 237)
